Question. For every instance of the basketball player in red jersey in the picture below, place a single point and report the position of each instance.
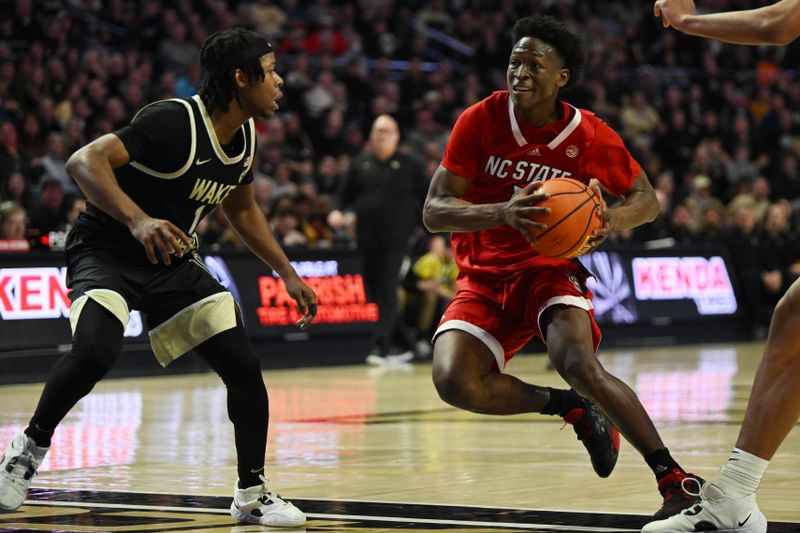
(485, 191)
(729, 504)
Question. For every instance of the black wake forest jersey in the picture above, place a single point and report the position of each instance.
(178, 171)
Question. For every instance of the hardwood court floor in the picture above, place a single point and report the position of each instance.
(364, 450)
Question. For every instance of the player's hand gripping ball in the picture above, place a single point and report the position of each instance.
(574, 216)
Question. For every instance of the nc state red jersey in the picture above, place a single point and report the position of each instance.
(492, 147)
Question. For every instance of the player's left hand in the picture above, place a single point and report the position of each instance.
(673, 12)
(606, 213)
(305, 297)
(601, 234)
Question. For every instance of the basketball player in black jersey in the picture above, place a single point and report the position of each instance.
(149, 185)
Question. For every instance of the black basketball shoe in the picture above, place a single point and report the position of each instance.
(600, 438)
(676, 496)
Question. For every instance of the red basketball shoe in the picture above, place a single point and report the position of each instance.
(676, 496)
(600, 438)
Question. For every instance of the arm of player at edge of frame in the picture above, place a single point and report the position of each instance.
(774, 24)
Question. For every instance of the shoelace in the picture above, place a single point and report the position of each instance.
(680, 489)
(271, 495)
(687, 491)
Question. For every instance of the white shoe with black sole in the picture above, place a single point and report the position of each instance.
(715, 512)
(261, 505)
(18, 465)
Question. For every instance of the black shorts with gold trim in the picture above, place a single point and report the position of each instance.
(182, 304)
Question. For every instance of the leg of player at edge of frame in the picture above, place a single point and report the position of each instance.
(729, 504)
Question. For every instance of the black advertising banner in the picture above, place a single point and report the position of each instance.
(270, 312)
(34, 306)
(660, 287)
(631, 286)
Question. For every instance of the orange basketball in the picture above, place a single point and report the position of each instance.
(574, 216)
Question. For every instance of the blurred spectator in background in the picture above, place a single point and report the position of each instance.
(680, 228)
(283, 221)
(283, 184)
(262, 191)
(711, 226)
(700, 201)
(761, 197)
(311, 223)
(743, 244)
(50, 215)
(740, 167)
(779, 253)
(385, 190)
(18, 190)
(12, 227)
(268, 18)
(297, 144)
(640, 120)
(12, 155)
(74, 205)
(53, 162)
(433, 286)
(177, 52)
(753, 194)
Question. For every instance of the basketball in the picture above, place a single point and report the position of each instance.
(574, 216)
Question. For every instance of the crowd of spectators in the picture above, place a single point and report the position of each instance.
(716, 127)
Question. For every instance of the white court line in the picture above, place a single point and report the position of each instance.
(550, 527)
(350, 500)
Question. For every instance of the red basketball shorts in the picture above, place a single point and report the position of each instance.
(504, 313)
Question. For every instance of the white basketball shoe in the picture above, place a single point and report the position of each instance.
(715, 512)
(18, 465)
(261, 505)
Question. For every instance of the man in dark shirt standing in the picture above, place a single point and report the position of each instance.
(386, 190)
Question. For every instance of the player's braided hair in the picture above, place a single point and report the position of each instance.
(218, 61)
(555, 33)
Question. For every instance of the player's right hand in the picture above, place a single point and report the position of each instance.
(520, 209)
(673, 12)
(161, 239)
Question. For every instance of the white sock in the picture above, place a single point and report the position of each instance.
(742, 474)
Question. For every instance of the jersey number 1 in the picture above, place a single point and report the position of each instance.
(197, 216)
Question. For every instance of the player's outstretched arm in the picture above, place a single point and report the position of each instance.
(776, 24)
(445, 210)
(92, 168)
(250, 224)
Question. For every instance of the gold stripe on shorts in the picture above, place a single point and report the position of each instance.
(192, 326)
(111, 300)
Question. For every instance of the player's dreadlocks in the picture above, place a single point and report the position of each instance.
(224, 52)
(553, 32)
